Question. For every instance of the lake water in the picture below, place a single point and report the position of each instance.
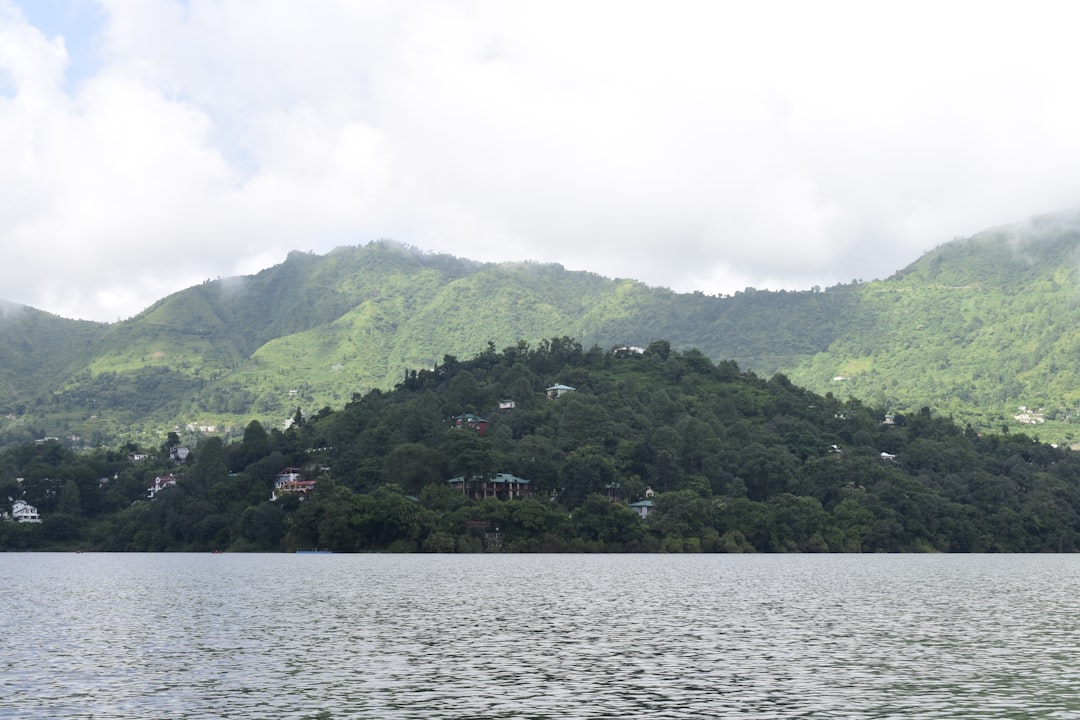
(539, 636)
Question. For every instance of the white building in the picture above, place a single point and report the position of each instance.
(24, 512)
(160, 483)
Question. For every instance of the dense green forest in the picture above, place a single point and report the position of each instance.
(731, 462)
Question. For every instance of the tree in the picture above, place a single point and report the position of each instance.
(254, 446)
(798, 522)
(69, 503)
(468, 455)
(682, 513)
(747, 519)
(611, 524)
(398, 522)
(660, 349)
(766, 470)
(209, 467)
(849, 526)
(587, 471)
(412, 466)
(263, 526)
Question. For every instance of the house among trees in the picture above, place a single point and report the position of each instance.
(503, 486)
(24, 512)
(160, 483)
(471, 422)
(288, 475)
(506, 406)
(644, 507)
(291, 480)
(179, 454)
(557, 391)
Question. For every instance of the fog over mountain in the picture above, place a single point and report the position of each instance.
(699, 147)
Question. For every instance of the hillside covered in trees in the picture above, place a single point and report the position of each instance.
(729, 461)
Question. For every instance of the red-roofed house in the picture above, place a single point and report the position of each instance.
(471, 422)
(291, 480)
(160, 483)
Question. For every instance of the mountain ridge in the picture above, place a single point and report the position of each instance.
(976, 328)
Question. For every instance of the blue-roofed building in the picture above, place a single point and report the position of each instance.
(557, 391)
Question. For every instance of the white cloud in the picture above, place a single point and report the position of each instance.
(693, 145)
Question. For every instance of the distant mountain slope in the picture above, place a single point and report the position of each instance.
(36, 349)
(976, 328)
(316, 330)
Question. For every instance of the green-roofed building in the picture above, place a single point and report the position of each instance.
(557, 391)
(642, 508)
(503, 486)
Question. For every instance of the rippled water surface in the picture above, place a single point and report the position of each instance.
(550, 636)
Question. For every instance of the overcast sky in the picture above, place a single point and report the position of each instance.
(147, 145)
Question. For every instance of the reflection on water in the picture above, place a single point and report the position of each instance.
(587, 636)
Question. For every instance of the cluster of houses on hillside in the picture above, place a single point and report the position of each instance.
(1028, 416)
(505, 486)
(288, 481)
(502, 486)
(471, 421)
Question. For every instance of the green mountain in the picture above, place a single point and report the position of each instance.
(985, 328)
(977, 329)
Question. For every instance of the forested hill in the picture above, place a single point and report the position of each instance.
(978, 329)
(730, 462)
